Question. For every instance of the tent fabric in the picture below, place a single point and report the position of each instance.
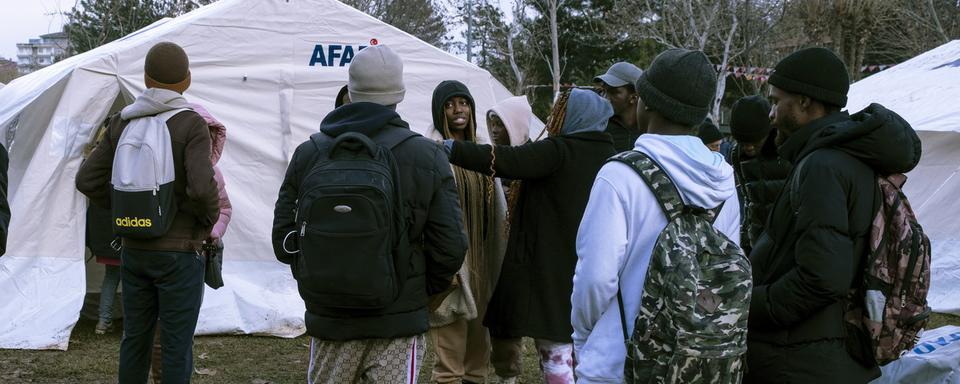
(924, 90)
(269, 70)
(934, 360)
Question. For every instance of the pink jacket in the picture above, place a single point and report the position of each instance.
(218, 137)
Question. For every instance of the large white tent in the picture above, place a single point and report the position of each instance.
(925, 90)
(269, 70)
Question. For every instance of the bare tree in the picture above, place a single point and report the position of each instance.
(549, 8)
(715, 27)
(845, 26)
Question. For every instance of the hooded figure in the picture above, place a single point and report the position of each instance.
(516, 115)
(532, 297)
(459, 336)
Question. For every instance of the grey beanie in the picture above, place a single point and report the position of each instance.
(680, 84)
(376, 76)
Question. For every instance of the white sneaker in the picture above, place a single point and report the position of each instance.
(507, 380)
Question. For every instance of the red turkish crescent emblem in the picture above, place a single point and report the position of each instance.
(374, 42)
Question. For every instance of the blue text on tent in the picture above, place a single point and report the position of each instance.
(329, 56)
(928, 346)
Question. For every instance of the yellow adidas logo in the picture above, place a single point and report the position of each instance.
(133, 222)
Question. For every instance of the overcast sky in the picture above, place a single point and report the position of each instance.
(21, 20)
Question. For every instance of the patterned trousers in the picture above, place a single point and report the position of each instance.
(388, 361)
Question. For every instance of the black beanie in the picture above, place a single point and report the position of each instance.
(709, 132)
(750, 119)
(167, 63)
(814, 72)
(680, 84)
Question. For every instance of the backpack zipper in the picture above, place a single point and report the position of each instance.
(303, 229)
(159, 208)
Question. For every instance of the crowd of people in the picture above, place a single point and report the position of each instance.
(622, 242)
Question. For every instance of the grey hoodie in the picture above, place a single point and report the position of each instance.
(586, 112)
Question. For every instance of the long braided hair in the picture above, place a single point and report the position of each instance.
(476, 201)
(554, 123)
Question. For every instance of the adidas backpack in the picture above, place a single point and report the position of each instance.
(692, 325)
(142, 198)
(887, 308)
(352, 223)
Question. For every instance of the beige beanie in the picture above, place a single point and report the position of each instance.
(376, 76)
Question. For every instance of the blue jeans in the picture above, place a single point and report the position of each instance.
(108, 291)
(166, 287)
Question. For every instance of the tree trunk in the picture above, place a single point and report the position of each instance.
(555, 67)
(725, 58)
(518, 87)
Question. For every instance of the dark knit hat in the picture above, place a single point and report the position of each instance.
(680, 84)
(814, 72)
(708, 132)
(750, 119)
(167, 66)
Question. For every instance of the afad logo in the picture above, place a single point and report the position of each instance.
(336, 54)
(133, 222)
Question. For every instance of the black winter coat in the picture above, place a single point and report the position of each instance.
(814, 247)
(624, 138)
(759, 181)
(532, 297)
(436, 234)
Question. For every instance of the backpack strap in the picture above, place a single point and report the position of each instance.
(668, 196)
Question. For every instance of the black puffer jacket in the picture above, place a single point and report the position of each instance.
(759, 181)
(436, 230)
(814, 246)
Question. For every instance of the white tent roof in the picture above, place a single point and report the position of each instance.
(250, 63)
(925, 90)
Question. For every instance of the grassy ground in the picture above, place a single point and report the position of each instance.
(218, 359)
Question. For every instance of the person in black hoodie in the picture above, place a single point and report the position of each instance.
(459, 338)
(384, 346)
(813, 249)
(759, 170)
(532, 296)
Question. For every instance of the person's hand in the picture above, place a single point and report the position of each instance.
(437, 299)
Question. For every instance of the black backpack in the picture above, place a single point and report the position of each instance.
(352, 223)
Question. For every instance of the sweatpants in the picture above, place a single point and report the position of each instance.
(556, 359)
(164, 286)
(395, 361)
(463, 351)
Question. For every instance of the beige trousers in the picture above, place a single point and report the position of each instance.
(463, 351)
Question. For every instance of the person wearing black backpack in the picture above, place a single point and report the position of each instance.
(369, 220)
(815, 245)
(162, 276)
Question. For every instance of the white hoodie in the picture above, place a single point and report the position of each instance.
(616, 237)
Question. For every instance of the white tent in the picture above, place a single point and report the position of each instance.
(925, 90)
(269, 70)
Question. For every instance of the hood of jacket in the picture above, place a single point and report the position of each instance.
(152, 102)
(586, 112)
(516, 115)
(703, 177)
(362, 117)
(877, 136)
(443, 92)
(218, 132)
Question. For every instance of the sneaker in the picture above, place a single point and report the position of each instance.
(103, 326)
(507, 380)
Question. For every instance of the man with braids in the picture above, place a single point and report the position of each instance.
(459, 338)
(532, 297)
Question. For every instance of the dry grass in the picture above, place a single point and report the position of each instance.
(222, 359)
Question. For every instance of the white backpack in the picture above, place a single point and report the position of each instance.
(142, 199)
